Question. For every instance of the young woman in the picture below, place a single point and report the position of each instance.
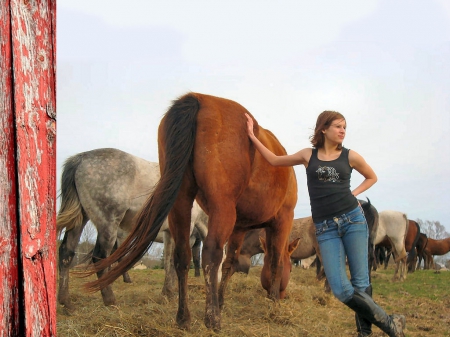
(341, 228)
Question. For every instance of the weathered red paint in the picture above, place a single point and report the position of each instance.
(27, 168)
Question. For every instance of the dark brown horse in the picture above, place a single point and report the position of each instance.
(411, 239)
(420, 247)
(205, 154)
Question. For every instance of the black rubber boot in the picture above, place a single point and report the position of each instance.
(363, 326)
(364, 305)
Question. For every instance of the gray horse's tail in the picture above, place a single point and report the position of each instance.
(70, 214)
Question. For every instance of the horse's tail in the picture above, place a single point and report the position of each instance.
(176, 138)
(412, 253)
(70, 214)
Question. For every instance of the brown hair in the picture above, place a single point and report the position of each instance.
(324, 121)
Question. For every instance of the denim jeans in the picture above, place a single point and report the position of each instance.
(345, 236)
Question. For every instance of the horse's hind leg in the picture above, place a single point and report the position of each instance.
(120, 238)
(106, 238)
(66, 254)
(180, 228)
(220, 226)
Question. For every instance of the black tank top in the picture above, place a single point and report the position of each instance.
(329, 186)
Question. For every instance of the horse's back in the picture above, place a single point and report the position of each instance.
(111, 182)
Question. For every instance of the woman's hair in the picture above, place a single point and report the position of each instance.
(323, 122)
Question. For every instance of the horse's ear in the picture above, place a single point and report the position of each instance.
(293, 246)
(263, 244)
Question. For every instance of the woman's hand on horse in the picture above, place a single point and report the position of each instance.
(249, 125)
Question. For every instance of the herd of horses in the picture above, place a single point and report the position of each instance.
(210, 186)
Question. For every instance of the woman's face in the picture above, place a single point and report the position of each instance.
(336, 131)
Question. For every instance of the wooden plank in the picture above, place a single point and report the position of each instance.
(9, 251)
(33, 36)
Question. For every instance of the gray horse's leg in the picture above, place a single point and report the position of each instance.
(170, 276)
(107, 236)
(66, 254)
(121, 236)
(196, 251)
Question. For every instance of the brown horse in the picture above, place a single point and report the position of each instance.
(411, 239)
(205, 154)
(266, 273)
(435, 247)
(420, 247)
(302, 228)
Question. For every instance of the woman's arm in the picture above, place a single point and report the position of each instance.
(299, 158)
(359, 164)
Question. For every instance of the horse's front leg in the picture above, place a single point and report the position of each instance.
(233, 250)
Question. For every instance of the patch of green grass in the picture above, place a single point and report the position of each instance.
(421, 283)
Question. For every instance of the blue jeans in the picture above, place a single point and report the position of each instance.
(345, 236)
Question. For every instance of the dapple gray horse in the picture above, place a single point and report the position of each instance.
(108, 187)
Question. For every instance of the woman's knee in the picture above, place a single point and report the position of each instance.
(343, 295)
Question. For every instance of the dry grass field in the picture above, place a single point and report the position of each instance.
(424, 298)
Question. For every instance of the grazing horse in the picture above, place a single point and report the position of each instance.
(266, 274)
(302, 228)
(109, 187)
(205, 154)
(394, 226)
(436, 247)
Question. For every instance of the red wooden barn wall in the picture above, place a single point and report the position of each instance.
(27, 167)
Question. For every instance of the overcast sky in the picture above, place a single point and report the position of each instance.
(383, 64)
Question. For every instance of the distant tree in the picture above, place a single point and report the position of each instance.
(89, 233)
(433, 229)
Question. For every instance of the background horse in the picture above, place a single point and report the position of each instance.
(411, 239)
(420, 247)
(109, 187)
(302, 229)
(394, 226)
(205, 154)
(435, 247)
(305, 231)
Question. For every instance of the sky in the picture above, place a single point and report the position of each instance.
(383, 64)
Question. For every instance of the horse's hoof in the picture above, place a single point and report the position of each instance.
(109, 302)
(184, 322)
(68, 309)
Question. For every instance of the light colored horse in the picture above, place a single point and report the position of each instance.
(394, 226)
(108, 187)
(306, 263)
